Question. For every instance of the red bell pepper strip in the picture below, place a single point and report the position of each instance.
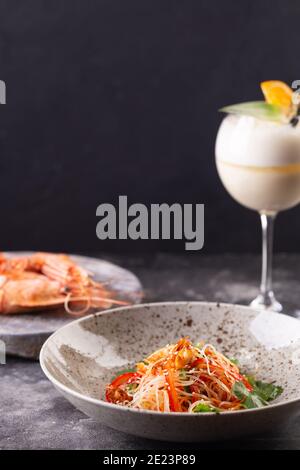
(121, 380)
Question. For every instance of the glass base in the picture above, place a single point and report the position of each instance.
(266, 302)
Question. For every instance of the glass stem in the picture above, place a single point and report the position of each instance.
(267, 222)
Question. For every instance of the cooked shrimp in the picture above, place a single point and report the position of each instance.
(45, 280)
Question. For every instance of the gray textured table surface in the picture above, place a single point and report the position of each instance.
(33, 415)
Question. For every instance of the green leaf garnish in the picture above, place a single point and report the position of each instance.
(260, 396)
(131, 388)
(257, 109)
(203, 408)
(266, 391)
(249, 399)
(234, 361)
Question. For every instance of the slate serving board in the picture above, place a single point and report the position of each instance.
(24, 334)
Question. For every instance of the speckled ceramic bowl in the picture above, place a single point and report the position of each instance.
(84, 355)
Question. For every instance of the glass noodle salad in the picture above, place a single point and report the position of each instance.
(189, 378)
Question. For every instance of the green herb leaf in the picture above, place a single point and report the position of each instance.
(250, 399)
(257, 109)
(131, 388)
(234, 361)
(203, 408)
(266, 391)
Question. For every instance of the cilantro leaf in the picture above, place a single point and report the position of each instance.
(203, 408)
(266, 391)
(249, 399)
(131, 388)
(234, 361)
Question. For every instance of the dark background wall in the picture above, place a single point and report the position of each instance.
(110, 97)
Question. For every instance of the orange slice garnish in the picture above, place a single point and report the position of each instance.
(278, 93)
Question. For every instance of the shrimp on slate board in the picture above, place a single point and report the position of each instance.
(46, 280)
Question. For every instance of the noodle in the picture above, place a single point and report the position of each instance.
(182, 377)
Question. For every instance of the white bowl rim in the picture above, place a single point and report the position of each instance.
(113, 406)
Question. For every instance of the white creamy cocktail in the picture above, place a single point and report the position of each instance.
(258, 161)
